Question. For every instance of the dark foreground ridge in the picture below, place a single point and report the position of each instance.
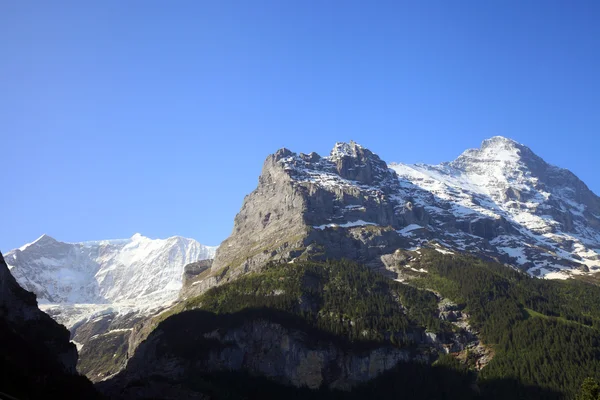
(37, 359)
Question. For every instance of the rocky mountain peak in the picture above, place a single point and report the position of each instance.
(497, 150)
(43, 240)
(500, 158)
(354, 162)
(343, 149)
(500, 142)
(499, 200)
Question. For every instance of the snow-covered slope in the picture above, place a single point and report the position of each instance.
(137, 272)
(500, 201)
(503, 199)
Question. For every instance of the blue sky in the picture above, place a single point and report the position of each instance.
(155, 117)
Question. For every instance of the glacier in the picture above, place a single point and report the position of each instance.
(75, 281)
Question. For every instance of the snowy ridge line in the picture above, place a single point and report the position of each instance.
(136, 273)
(504, 184)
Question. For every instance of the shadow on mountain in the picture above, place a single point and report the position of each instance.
(176, 330)
(30, 371)
(501, 389)
(181, 340)
(37, 361)
(406, 381)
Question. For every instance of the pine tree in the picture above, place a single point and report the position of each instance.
(590, 390)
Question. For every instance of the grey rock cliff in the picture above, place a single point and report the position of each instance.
(307, 206)
(268, 349)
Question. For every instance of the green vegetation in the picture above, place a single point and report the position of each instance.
(339, 297)
(545, 334)
(109, 360)
(590, 390)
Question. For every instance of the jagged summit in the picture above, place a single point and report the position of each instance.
(343, 149)
(500, 201)
(300, 202)
(348, 163)
(39, 241)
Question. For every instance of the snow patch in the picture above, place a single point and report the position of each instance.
(351, 224)
(409, 228)
(557, 275)
(443, 251)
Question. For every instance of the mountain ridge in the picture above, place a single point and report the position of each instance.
(541, 201)
(500, 201)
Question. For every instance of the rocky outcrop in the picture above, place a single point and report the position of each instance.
(259, 347)
(191, 271)
(104, 342)
(38, 360)
(307, 206)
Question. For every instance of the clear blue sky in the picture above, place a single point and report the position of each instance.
(155, 117)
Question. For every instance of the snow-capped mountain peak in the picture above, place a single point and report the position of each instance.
(39, 241)
(343, 149)
(548, 213)
(135, 270)
(498, 150)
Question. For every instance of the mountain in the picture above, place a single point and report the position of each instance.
(101, 289)
(137, 271)
(461, 241)
(38, 361)
(451, 326)
(501, 202)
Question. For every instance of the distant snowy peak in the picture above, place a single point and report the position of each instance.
(135, 270)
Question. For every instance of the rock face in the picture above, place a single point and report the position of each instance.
(257, 346)
(38, 359)
(500, 201)
(264, 348)
(306, 206)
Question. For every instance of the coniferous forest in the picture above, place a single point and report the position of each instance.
(544, 335)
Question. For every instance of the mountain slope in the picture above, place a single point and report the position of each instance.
(101, 289)
(339, 325)
(138, 271)
(307, 206)
(502, 199)
(500, 202)
(38, 361)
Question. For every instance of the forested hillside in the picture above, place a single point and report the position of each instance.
(543, 335)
